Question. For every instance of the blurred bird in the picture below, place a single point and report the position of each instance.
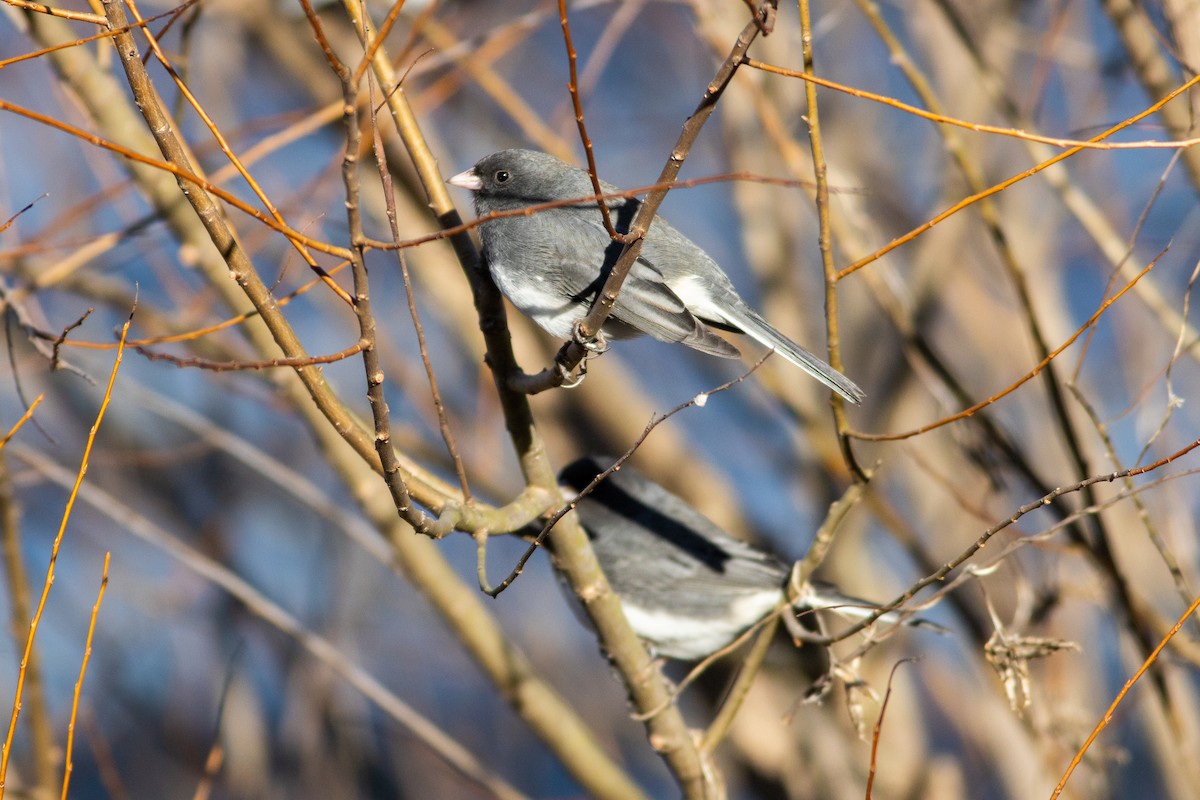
(552, 265)
(687, 587)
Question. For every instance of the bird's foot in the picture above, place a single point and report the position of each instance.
(593, 344)
(569, 381)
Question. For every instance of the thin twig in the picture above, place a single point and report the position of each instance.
(877, 731)
(1046, 500)
(978, 127)
(68, 763)
(577, 104)
(192, 334)
(1112, 708)
(35, 620)
(198, 362)
(55, 360)
(389, 198)
(967, 412)
(748, 669)
(24, 418)
(78, 16)
(699, 400)
(823, 539)
(999, 187)
(825, 246)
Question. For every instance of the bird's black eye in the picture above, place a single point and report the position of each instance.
(502, 176)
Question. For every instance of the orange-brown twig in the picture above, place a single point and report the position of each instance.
(68, 765)
(194, 334)
(178, 172)
(108, 32)
(999, 187)
(978, 127)
(62, 529)
(891, 437)
(573, 89)
(236, 162)
(24, 418)
(1107, 718)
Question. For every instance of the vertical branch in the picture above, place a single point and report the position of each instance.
(17, 580)
(488, 302)
(389, 199)
(368, 338)
(821, 176)
(573, 89)
(747, 672)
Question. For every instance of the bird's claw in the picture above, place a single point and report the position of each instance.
(593, 344)
(567, 380)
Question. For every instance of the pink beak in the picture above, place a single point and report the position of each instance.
(467, 180)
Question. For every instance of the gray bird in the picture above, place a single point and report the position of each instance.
(687, 587)
(552, 265)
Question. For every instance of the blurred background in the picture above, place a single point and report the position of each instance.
(235, 537)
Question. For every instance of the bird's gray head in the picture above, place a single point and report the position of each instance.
(522, 177)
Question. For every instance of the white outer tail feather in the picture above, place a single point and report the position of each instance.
(758, 329)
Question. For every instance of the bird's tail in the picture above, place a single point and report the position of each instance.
(824, 596)
(758, 329)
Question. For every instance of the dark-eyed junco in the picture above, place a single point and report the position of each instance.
(552, 264)
(687, 587)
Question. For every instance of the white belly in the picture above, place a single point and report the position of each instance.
(679, 636)
(538, 299)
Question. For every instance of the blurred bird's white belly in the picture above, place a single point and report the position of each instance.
(681, 636)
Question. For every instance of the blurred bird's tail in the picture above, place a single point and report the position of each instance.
(824, 596)
(750, 323)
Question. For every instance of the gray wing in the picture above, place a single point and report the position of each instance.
(656, 539)
(648, 304)
(641, 553)
(710, 296)
(646, 301)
